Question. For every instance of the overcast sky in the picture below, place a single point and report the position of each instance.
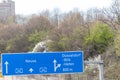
(35, 6)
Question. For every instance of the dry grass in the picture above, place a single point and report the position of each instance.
(1, 75)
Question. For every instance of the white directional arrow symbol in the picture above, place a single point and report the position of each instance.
(31, 70)
(56, 65)
(6, 63)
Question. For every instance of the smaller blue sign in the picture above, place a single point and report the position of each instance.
(42, 63)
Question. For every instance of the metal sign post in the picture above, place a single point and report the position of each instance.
(100, 66)
(101, 71)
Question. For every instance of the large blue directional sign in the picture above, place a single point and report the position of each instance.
(42, 63)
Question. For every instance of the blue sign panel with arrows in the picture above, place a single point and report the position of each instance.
(42, 63)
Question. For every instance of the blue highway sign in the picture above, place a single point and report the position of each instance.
(42, 63)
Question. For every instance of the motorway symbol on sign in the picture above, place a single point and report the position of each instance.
(42, 63)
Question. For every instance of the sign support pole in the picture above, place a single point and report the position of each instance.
(100, 66)
(101, 71)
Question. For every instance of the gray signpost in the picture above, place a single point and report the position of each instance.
(100, 66)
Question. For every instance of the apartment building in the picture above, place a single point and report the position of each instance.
(7, 9)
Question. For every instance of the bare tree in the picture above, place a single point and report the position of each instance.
(112, 15)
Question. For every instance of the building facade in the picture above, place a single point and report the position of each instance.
(7, 9)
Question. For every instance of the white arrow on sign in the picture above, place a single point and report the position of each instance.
(6, 63)
(56, 65)
(31, 70)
